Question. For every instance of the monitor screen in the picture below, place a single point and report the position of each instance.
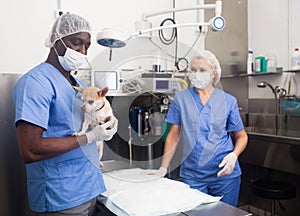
(106, 79)
(162, 85)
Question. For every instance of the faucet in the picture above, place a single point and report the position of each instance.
(264, 84)
(278, 92)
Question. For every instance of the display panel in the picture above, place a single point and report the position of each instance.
(162, 85)
(106, 79)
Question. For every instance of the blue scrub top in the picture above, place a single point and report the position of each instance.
(45, 98)
(204, 132)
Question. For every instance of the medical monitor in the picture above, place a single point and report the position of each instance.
(106, 79)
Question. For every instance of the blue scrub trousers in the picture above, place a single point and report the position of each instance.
(228, 188)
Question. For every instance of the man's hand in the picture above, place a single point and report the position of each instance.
(103, 132)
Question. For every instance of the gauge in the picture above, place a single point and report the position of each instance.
(182, 64)
(165, 100)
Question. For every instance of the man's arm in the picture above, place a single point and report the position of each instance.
(34, 147)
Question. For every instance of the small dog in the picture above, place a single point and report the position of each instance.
(97, 110)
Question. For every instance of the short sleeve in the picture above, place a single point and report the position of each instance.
(234, 122)
(173, 115)
(33, 96)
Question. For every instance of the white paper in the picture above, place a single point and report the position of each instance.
(139, 194)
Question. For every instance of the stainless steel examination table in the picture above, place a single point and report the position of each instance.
(215, 208)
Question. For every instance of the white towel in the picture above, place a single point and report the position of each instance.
(139, 194)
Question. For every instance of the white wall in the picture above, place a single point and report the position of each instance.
(273, 28)
(294, 27)
(268, 29)
(25, 25)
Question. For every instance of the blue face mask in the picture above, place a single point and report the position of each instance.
(200, 79)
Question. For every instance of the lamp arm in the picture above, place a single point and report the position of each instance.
(141, 32)
(196, 7)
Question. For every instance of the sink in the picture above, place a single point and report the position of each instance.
(271, 132)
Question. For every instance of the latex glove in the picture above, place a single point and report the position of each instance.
(103, 132)
(228, 164)
(161, 172)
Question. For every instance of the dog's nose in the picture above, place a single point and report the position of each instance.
(83, 108)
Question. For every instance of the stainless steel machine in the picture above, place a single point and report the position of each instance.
(13, 197)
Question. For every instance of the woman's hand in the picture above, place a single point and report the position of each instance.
(228, 164)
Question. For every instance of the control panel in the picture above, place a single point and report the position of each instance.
(160, 84)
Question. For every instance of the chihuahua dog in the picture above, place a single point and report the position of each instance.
(97, 110)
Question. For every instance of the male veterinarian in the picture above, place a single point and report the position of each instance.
(63, 173)
(201, 117)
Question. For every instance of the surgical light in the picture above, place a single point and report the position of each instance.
(111, 38)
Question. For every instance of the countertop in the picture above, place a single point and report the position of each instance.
(291, 137)
(273, 151)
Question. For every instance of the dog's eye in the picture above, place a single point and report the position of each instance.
(90, 102)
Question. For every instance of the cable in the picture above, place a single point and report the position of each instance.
(176, 37)
(182, 83)
(184, 56)
(200, 27)
(163, 39)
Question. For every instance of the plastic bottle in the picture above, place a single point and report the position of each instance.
(250, 62)
(260, 64)
(258, 60)
(139, 122)
(146, 124)
(271, 64)
(296, 59)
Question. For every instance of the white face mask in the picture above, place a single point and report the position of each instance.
(200, 79)
(72, 59)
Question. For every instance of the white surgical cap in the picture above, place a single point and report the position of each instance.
(67, 24)
(213, 62)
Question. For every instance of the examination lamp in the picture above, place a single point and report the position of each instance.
(113, 38)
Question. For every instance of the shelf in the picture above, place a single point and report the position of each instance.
(254, 74)
(279, 72)
(292, 71)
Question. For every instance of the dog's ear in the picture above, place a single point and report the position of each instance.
(103, 92)
(80, 89)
